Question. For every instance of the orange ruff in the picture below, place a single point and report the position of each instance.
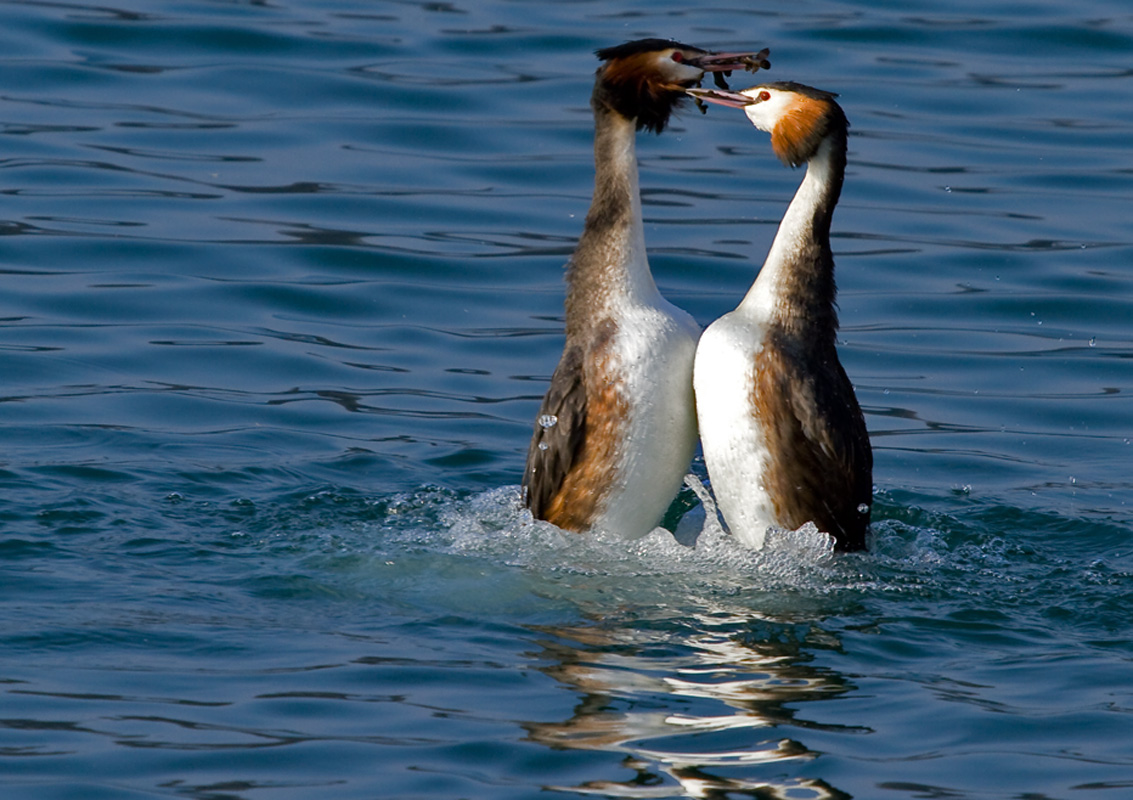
(798, 132)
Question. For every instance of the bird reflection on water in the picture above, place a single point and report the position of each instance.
(697, 715)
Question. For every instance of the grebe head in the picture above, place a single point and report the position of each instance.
(646, 79)
(799, 118)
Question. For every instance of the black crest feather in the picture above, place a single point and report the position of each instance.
(641, 46)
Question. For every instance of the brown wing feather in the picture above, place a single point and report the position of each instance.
(824, 470)
(841, 460)
(555, 448)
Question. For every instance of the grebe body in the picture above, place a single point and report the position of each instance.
(784, 438)
(616, 430)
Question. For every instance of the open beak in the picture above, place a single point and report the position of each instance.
(720, 97)
(726, 62)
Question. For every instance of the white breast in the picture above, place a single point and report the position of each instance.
(735, 450)
(655, 347)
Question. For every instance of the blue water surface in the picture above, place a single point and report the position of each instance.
(280, 290)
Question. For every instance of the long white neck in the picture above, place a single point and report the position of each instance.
(609, 264)
(796, 284)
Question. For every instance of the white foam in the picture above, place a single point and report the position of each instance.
(702, 556)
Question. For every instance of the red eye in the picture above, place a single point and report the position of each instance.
(677, 56)
(764, 96)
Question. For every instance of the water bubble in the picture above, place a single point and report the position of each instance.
(863, 508)
(1093, 341)
(548, 421)
(544, 446)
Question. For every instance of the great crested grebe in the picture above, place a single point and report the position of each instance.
(617, 427)
(784, 439)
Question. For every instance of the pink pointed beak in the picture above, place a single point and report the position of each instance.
(721, 97)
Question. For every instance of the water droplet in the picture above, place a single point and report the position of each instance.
(548, 421)
(863, 508)
(1093, 341)
(543, 446)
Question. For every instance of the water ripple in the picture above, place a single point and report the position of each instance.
(282, 285)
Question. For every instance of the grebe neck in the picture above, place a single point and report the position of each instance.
(795, 288)
(609, 265)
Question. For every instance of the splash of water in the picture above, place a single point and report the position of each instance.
(699, 557)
